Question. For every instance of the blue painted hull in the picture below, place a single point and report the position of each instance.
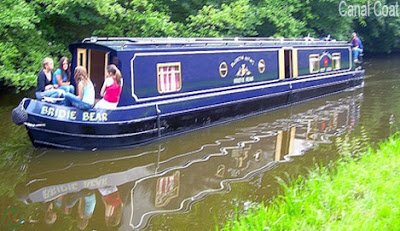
(65, 127)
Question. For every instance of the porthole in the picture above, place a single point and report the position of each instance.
(261, 66)
(223, 69)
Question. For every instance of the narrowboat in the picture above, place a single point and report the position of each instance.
(173, 85)
(153, 181)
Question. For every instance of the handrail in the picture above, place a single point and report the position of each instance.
(211, 41)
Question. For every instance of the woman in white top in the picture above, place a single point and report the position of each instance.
(84, 99)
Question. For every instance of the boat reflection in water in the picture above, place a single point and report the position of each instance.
(129, 199)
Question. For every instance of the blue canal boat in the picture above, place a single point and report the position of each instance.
(172, 85)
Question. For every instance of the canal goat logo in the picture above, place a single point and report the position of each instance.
(243, 71)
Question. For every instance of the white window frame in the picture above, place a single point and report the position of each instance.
(336, 58)
(314, 59)
(170, 85)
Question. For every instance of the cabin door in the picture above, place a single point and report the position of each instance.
(288, 63)
(98, 61)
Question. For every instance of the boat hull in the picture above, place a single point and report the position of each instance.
(138, 124)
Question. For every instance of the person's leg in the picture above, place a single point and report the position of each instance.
(68, 89)
(356, 51)
(71, 99)
(38, 95)
(71, 89)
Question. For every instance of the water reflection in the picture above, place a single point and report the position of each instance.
(151, 182)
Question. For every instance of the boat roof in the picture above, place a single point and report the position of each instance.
(133, 43)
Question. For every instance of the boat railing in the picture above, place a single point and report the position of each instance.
(214, 41)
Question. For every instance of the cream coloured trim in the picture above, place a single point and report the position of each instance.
(106, 64)
(295, 60)
(89, 61)
(282, 64)
(82, 61)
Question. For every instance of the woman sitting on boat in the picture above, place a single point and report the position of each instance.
(44, 87)
(84, 99)
(62, 76)
(111, 89)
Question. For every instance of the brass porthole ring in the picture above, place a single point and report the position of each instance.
(223, 69)
(261, 66)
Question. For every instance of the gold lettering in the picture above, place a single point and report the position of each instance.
(98, 117)
(51, 111)
(92, 116)
(44, 110)
(85, 116)
(105, 116)
(73, 115)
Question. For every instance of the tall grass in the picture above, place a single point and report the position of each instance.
(360, 193)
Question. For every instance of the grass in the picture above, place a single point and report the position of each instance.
(360, 193)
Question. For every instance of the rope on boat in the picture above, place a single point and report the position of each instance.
(158, 120)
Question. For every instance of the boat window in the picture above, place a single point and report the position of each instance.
(336, 61)
(169, 77)
(223, 69)
(81, 57)
(314, 63)
(261, 66)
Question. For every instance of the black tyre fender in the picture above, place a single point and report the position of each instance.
(19, 115)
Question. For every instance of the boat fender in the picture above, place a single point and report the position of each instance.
(19, 115)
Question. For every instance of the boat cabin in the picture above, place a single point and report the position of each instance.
(164, 68)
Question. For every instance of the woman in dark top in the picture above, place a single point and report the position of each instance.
(44, 87)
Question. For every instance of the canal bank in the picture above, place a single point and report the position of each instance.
(359, 193)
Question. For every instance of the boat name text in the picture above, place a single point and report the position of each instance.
(55, 191)
(72, 114)
(242, 57)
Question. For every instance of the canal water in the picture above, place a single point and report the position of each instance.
(194, 181)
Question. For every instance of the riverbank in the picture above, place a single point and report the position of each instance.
(359, 194)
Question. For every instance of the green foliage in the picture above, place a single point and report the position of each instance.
(236, 19)
(20, 44)
(32, 30)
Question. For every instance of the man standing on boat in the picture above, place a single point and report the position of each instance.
(357, 47)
